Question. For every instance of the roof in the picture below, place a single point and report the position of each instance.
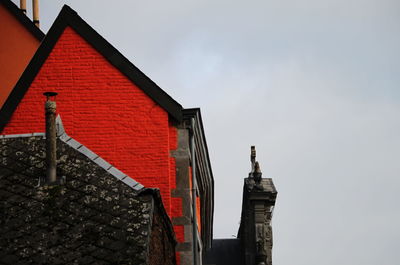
(63, 136)
(93, 218)
(23, 19)
(69, 18)
(224, 252)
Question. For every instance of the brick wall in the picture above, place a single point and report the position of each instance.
(103, 110)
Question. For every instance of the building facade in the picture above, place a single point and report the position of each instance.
(253, 245)
(128, 131)
(116, 111)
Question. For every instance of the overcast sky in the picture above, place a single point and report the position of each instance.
(314, 84)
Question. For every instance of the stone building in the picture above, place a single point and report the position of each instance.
(115, 110)
(253, 245)
(128, 141)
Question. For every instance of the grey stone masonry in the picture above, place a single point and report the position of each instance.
(255, 230)
(182, 190)
(253, 245)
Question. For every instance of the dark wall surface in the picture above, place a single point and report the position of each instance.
(161, 252)
(224, 252)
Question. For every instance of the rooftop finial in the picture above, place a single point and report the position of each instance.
(255, 172)
(253, 157)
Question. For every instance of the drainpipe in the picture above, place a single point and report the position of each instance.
(22, 6)
(35, 12)
(51, 135)
(194, 185)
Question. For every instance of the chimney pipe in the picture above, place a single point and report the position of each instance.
(51, 136)
(22, 6)
(35, 11)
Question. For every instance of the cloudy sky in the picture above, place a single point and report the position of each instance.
(313, 84)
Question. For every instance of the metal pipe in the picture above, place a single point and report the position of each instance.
(51, 137)
(22, 6)
(35, 12)
(194, 186)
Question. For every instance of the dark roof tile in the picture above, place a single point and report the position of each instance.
(224, 252)
(93, 217)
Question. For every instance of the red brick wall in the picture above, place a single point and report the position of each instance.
(105, 111)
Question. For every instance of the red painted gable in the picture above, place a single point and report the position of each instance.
(17, 46)
(102, 109)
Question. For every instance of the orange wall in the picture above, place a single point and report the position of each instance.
(17, 46)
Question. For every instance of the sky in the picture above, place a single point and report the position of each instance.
(313, 84)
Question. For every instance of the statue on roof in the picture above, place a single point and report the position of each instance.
(255, 173)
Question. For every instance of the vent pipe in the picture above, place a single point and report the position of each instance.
(51, 137)
(22, 6)
(35, 11)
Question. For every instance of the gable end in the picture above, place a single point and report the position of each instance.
(69, 17)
